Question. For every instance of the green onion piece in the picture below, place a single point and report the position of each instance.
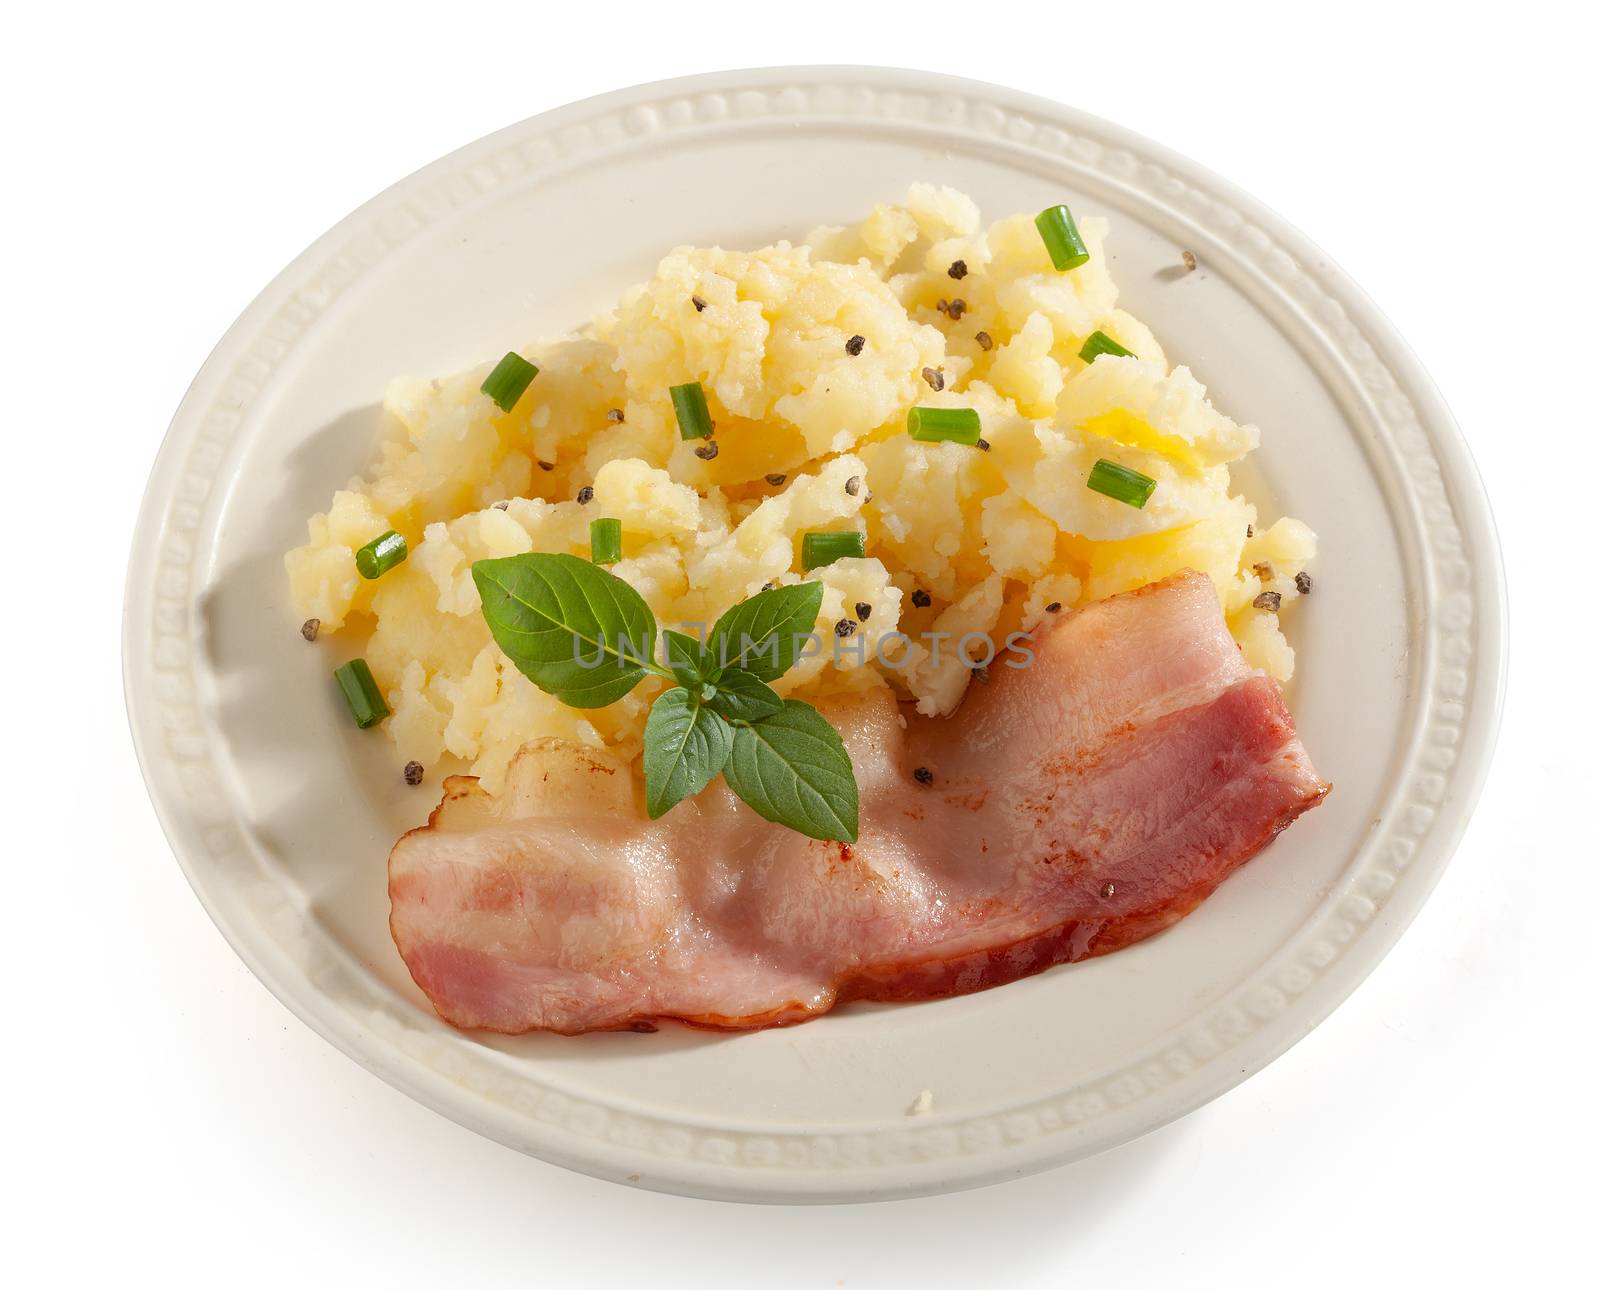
(694, 418)
(380, 555)
(511, 376)
(1099, 343)
(605, 541)
(950, 425)
(1061, 238)
(1121, 483)
(361, 693)
(818, 549)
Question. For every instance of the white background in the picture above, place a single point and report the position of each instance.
(166, 1117)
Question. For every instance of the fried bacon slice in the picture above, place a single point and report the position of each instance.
(1074, 807)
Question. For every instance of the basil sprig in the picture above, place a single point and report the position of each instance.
(585, 636)
(686, 745)
(792, 767)
(763, 635)
(574, 630)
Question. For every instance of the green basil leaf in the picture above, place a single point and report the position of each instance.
(738, 696)
(688, 660)
(793, 769)
(685, 745)
(573, 629)
(763, 635)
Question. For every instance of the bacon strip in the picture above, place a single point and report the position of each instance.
(1078, 805)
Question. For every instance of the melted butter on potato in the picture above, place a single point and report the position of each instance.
(810, 434)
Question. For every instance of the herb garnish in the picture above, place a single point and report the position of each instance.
(1099, 343)
(587, 637)
(511, 377)
(1059, 232)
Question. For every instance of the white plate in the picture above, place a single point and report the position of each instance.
(282, 813)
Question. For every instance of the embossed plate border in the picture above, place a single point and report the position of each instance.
(1454, 577)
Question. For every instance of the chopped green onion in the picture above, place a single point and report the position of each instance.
(1061, 238)
(951, 425)
(1099, 343)
(605, 541)
(694, 418)
(1121, 483)
(361, 693)
(511, 376)
(818, 549)
(380, 555)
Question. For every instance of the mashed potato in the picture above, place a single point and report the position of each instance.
(810, 434)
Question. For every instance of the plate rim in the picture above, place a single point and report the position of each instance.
(155, 657)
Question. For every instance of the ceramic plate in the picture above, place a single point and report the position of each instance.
(282, 813)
